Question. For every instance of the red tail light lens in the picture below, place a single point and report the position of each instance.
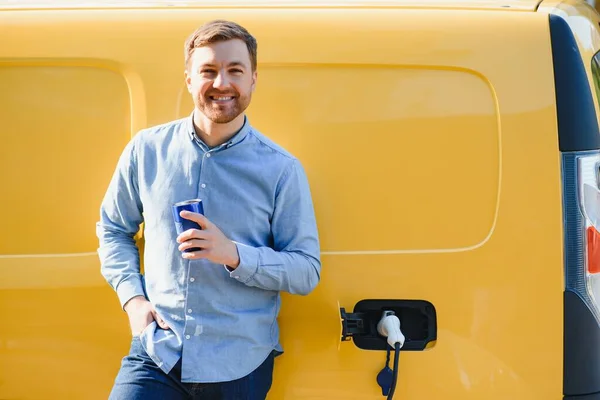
(593, 250)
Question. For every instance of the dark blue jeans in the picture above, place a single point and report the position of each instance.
(140, 379)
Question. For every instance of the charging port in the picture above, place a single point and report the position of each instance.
(417, 317)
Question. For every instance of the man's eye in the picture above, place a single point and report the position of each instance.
(236, 71)
(207, 71)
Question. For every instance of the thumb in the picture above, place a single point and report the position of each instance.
(159, 320)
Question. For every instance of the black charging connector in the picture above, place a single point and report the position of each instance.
(388, 378)
(395, 379)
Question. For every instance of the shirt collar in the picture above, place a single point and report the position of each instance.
(235, 139)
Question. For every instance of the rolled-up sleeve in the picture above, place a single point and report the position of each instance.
(293, 264)
(120, 219)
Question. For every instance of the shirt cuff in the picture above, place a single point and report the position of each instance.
(249, 257)
(130, 288)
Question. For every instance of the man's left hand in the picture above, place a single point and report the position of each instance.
(214, 245)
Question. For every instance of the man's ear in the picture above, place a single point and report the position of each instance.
(188, 80)
(254, 79)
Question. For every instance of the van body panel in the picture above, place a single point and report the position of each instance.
(96, 101)
(389, 121)
(433, 164)
(508, 5)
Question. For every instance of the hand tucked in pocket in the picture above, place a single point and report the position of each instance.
(141, 313)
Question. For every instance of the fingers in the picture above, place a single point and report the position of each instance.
(198, 218)
(194, 243)
(192, 234)
(142, 317)
(161, 322)
(195, 255)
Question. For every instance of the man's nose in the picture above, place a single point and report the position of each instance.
(221, 81)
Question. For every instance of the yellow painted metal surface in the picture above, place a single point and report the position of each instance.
(429, 138)
(506, 5)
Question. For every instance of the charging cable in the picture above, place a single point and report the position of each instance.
(389, 327)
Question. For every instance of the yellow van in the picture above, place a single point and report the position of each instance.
(452, 149)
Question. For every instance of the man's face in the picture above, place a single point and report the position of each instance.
(220, 79)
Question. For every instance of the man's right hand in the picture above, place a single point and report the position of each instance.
(141, 313)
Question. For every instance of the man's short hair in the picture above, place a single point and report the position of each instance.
(218, 31)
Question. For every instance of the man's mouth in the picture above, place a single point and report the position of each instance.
(220, 98)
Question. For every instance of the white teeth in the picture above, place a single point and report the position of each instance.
(223, 98)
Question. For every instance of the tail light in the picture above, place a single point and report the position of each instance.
(581, 193)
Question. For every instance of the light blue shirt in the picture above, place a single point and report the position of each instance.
(223, 324)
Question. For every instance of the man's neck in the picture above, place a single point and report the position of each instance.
(214, 134)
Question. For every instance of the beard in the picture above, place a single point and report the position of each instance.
(222, 112)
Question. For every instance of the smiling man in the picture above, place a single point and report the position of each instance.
(204, 322)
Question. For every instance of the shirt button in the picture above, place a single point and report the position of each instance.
(208, 155)
(189, 310)
(237, 277)
(203, 186)
(192, 279)
(187, 337)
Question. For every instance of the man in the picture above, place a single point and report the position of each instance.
(204, 322)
